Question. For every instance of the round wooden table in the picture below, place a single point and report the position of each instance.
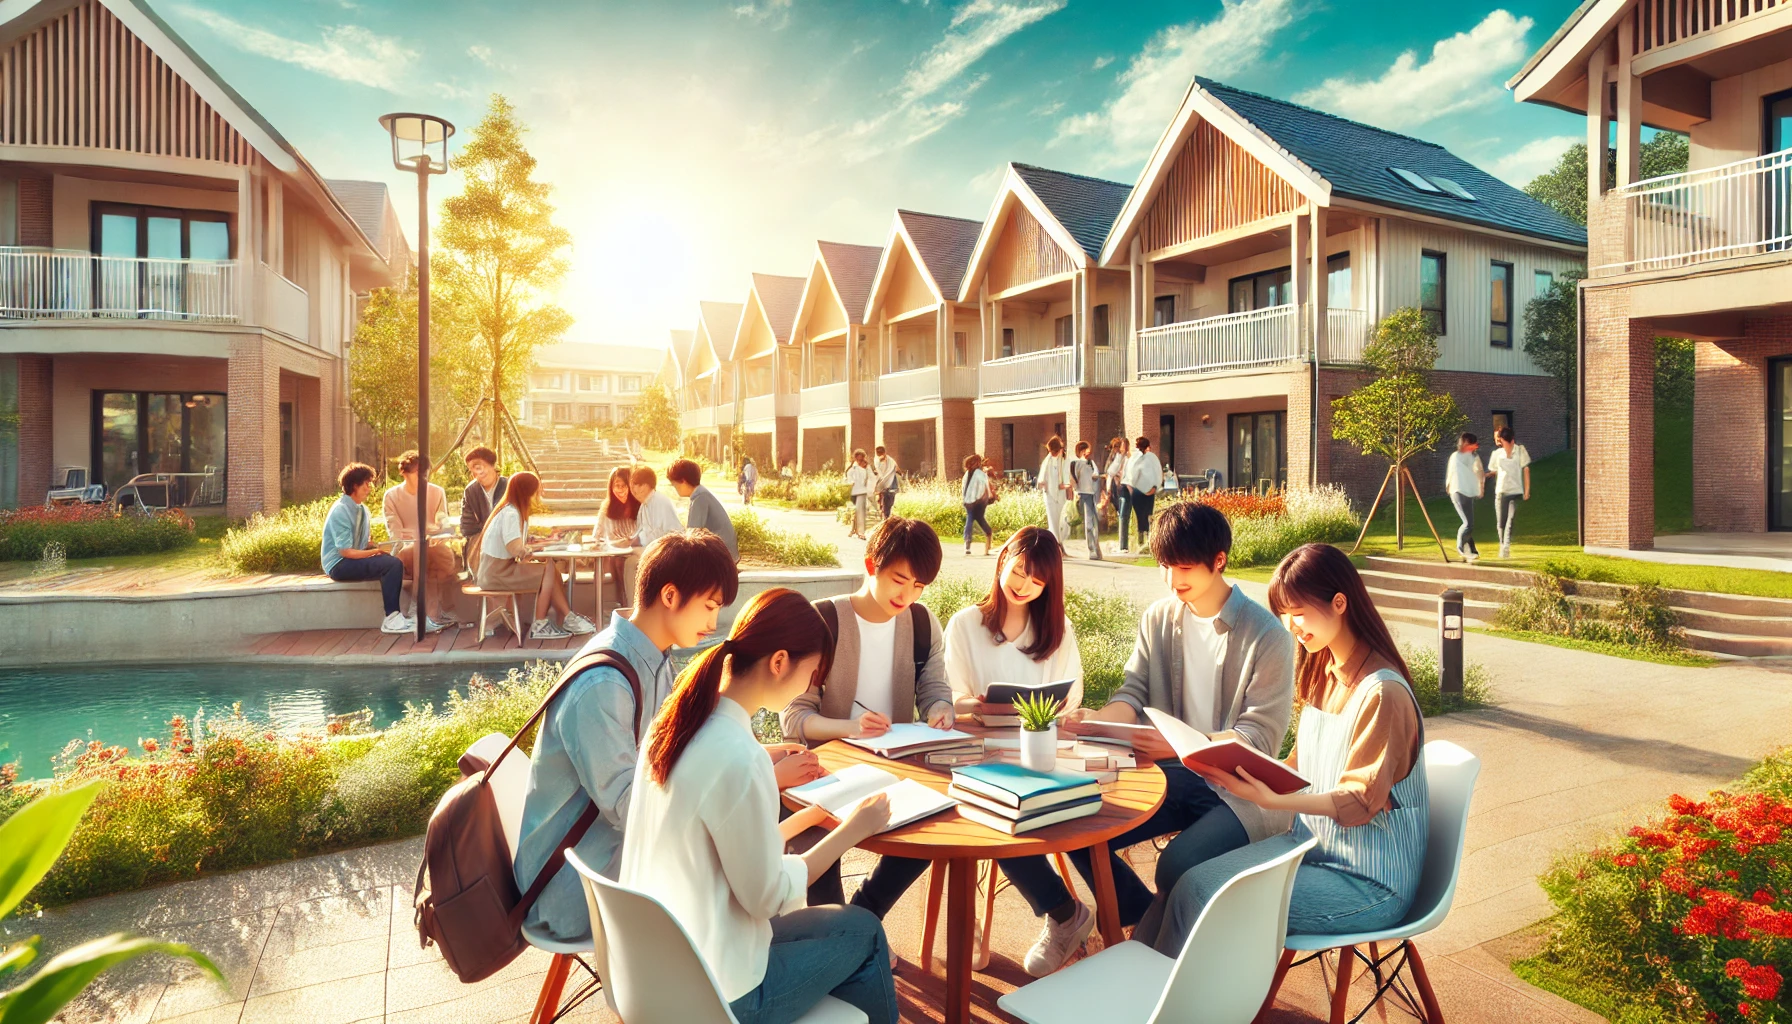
(957, 843)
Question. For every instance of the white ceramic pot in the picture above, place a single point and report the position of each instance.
(1039, 750)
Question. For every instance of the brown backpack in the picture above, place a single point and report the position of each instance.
(469, 905)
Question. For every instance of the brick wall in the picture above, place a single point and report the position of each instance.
(784, 441)
(1620, 423)
(957, 438)
(35, 212)
(36, 428)
(1729, 443)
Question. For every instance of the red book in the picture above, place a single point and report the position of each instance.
(1225, 756)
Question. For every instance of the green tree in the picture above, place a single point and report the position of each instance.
(500, 255)
(382, 366)
(654, 420)
(1673, 372)
(1552, 338)
(1397, 415)
(1564, 186)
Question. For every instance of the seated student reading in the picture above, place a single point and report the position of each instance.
(588, 744)
(347, 551)
(703, 835)
(1217, 660)
(1359, 743)
(1019, 634)
(889, 665)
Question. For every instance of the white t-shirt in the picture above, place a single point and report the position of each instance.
(505, 526)
(1463, 476)
(1201, 653)
(1508, 469)
(860, 479)
(1144, 473)
(974, 659)
(877, 655)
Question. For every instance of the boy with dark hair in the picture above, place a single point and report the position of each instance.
(484, 491)
(1463, 480)
(656, 517)
(706, 511)
(590, 738)
(348, 553)
(889, 666)
(1220, 662)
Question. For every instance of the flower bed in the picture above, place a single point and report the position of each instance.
(90, 531)
(1266, 527)
(1687, 917)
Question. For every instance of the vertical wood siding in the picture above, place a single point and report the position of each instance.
(83, 79)
(1025, 252)
(1213, 185)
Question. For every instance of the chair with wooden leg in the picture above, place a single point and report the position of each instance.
(988, 878)
(1450, 773)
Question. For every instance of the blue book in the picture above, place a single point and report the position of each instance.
(1022, 788)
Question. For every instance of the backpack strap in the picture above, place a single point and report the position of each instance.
(830, 615)
(922, 628)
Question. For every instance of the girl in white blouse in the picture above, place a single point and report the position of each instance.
(1019, 634)
(703, 835)
(858, 480)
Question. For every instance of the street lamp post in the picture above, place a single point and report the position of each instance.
(420, 145)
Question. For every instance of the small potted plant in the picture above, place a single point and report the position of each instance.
(1038, 731)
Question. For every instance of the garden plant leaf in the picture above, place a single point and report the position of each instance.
(32, 839)
(63, 978)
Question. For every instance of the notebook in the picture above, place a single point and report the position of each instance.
(1005, 693)
(905, 738)
(1118, 734)
(840, 792)
(1000, 823)
(1225, 756)
(1021, 788)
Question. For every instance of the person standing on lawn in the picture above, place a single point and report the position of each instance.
(1055, 483)
(1510, 467)
(1119, 454)
(884, 470)
(976, 494)
(1463, 481)
(349, 554)
(1087, 481)
(1145, 475)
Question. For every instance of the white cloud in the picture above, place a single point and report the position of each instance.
(1464, 70)
(347, 52)
(1531, 159)
(481, 53)
(1101, 62)
(764, 10)
(1130, 124)
(977, 28)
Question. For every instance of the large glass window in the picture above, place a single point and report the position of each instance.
(1098, 325)
(1063, 332)
(165, 432)
(1777, 116)
(156, 232)
(1499, 299)
(1432, 286)
(1337, 281)
(1258, 449)
(1261, 290)
(1163, 310)
(1779, 444)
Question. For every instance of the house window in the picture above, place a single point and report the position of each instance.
(1258, 449)
(562, 412)
(547, 382)
(1063, 333)
(1261, 290)
(1502, 419)
(961, 348)
(1163, 310)
(1541, 282)
(156, 232)
(601, 414)
(1166, 441)
(1098, 325)
(594, 382)
(1337, 281)
(1432, 285)
(631, 385)
(1500, 302)
(1007, 342)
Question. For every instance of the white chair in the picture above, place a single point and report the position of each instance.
(1450, 773)
(1219, 978)
(653, 973)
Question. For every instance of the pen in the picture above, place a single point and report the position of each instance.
(861, 706)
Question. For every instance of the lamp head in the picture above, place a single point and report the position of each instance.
(419, 141)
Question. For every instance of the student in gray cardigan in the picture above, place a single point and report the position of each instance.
(1219, 661)
(880, 676)
(706, 512)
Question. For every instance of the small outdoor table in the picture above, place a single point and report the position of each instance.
(955, 841)
(592, 553)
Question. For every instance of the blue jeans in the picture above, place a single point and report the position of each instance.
(1465, 534)
(1122, 506)
(1033, 878)
(383, 567)
(1506, 504)
(1091, 523)
(973, 513)
(818, 951)
(1326, 901)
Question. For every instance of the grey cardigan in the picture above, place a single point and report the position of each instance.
(910, 699)
(1256, 684)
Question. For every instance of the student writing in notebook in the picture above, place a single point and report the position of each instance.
(703, 835)
(1359, 742)
(1213, 658)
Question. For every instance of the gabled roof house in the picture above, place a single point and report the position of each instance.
(768, 369)
(837, 359)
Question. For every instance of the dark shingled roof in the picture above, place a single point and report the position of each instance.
(852, 267)
(944, 245)
(1085, 206)
(1355, 158)
(778, 297)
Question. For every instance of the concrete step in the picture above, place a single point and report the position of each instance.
(1430, 586)
(1458, 572)
(1423, 608)
(1739, 646)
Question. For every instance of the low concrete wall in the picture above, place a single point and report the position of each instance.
(212, 625)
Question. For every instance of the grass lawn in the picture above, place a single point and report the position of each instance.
(204, 555)
(1689, 659)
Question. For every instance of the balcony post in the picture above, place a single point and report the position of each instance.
(1135, 284)
(1630, 106)
(1596, 128)
(1298, 246)
(1320, 299)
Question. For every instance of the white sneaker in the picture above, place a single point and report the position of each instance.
(544, 629)
(1058, 941)
(398, 622)
(430, 625)
(577, 624)
(1505, 553)
(1472, 557)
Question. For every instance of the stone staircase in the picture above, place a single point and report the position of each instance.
(574, 472)
(1727, 625)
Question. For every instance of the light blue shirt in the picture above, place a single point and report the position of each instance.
(587, 748)
(346, 526)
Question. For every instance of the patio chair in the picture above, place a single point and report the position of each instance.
(1218, 978)
(1450, 773)
(503, 604)
(653, 973)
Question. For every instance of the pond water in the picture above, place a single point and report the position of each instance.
(42, 709)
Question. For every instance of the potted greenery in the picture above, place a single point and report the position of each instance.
(1038, 731)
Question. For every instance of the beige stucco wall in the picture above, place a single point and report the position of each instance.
(1734, 131)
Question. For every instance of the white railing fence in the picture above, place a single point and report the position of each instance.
(1031, 371)
(1105, 364)
(1260, 337)
(1346, 335)
(909, 385)
(1737, 209)
(37, 284)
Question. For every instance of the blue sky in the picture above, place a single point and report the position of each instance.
(692, 142)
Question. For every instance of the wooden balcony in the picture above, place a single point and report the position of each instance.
(840, 396)
(1714, 213)
(1052, 368)
(927, 384)
(63, 284)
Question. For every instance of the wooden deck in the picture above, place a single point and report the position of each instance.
(371, 643)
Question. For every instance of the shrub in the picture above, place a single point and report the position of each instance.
(939, 504)
(763, 543)
(90, 531)
(821, 492)
(1477, 684)
(1641, 616)
(775, 488)
(1266, 527)
(290, 539)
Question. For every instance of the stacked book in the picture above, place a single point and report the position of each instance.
(1012, 799)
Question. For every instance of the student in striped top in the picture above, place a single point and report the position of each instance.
(1359, 744)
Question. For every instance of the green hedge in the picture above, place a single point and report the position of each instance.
(90, 531)
(290, 540)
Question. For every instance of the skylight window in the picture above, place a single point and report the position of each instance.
(1415, 180)
(1454, 189)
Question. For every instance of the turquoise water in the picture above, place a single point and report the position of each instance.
(42, 709)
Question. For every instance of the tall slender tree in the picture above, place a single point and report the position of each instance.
(382, 365)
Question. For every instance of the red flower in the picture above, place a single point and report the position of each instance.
(1626, 860)
(1763, 896)
(150, 746)
(1744, 1009)
(1736, 967)
(1761, 982)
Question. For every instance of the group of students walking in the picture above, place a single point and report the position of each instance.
(1128, 484)
(688, 801)
(1465, 480)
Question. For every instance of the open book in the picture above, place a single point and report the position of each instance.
(840, 792)
(1226, 756)
(905, 738)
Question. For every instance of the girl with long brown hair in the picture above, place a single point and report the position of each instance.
(617, 527)
(703, 836)
(506, 562)
(1359, 743)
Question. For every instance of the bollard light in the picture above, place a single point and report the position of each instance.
(1449, 633)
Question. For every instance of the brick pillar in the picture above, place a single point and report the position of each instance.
(862, 433)
(957, 438)
(1620, 424)
(989, 437)
(784, 442)
(37, 456)
(1133, 415)
(254, 428)
(1299, 424)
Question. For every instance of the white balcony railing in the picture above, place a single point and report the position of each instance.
(766, 407)
(928, 383)
(1105, 364)
(1031, 371)
(1737, 209)
(1260, 337)
(1346, 335)
(839, 396)
(59, 284)
(701, 417)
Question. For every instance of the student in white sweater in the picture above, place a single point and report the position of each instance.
(703, 835)
(1019, 634)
